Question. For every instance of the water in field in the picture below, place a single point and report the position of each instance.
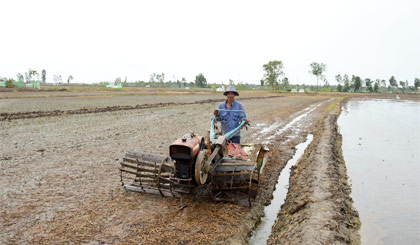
(381, 147)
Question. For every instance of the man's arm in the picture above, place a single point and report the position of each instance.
(243, 115)
(216, 112)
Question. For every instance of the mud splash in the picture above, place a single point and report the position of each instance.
(262, 232)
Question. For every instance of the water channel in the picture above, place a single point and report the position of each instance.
(261, 234)
(381, 147)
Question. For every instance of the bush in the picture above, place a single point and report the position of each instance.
(9, 83)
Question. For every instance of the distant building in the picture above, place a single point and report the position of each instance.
(2, 82)
(21, 84)
(113, 85)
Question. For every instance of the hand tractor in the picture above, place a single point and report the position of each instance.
(229, 170)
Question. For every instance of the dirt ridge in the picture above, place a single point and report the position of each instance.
(318, 207)
(35, 114)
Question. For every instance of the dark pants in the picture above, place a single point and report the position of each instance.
(236, 139)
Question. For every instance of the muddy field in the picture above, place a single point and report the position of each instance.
(318, 208)
(60, 182)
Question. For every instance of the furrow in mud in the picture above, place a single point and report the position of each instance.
(282, 149)
(318, 207)
(35, 114)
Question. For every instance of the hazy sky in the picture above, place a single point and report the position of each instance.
(101, 40)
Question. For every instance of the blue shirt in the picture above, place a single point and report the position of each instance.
(231, 119)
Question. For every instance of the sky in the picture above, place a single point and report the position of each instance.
(98, 41)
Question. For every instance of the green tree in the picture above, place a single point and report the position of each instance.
(272, 72)
(339, 80)
(200, 81)
(152, 78)
(184, 81)
(369, 85)
(346, 81)
(285, 83)
(19, 77)
(160, 78)
(417, 83)
(69, 79)
(357, 83)
(262, 82)
(402, 83)
(125, 83)
(9, 83)
(317, 69)
(376, 86)
(383, 83)
(326, 84)
(393, 82)
(44, 75)
(379, 82)
(32, 72)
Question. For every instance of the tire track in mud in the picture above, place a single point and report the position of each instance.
(278, 128)
(318, 207)
(35, 114)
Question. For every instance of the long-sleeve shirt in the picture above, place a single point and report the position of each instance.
(231, 119)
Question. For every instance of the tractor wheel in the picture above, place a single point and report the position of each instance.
(200, 174)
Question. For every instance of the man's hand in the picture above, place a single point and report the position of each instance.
(216, 112)
(246, 121)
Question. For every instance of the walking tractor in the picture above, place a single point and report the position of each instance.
(229, 170)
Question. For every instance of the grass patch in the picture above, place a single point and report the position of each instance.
(333, 105)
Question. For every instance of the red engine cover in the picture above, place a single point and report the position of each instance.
(185, 147)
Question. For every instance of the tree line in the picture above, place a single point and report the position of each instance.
(158, 80)
(33, 75)
(275, 78)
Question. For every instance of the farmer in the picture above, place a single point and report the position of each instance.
(231, 120)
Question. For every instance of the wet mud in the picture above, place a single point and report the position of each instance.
(318, 208)
(59, 174)
(60, 181)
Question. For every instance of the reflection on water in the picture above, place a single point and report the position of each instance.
(381, 147)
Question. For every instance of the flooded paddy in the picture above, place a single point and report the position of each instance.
(381, 148)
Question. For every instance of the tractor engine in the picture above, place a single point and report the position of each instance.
(184, 152)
